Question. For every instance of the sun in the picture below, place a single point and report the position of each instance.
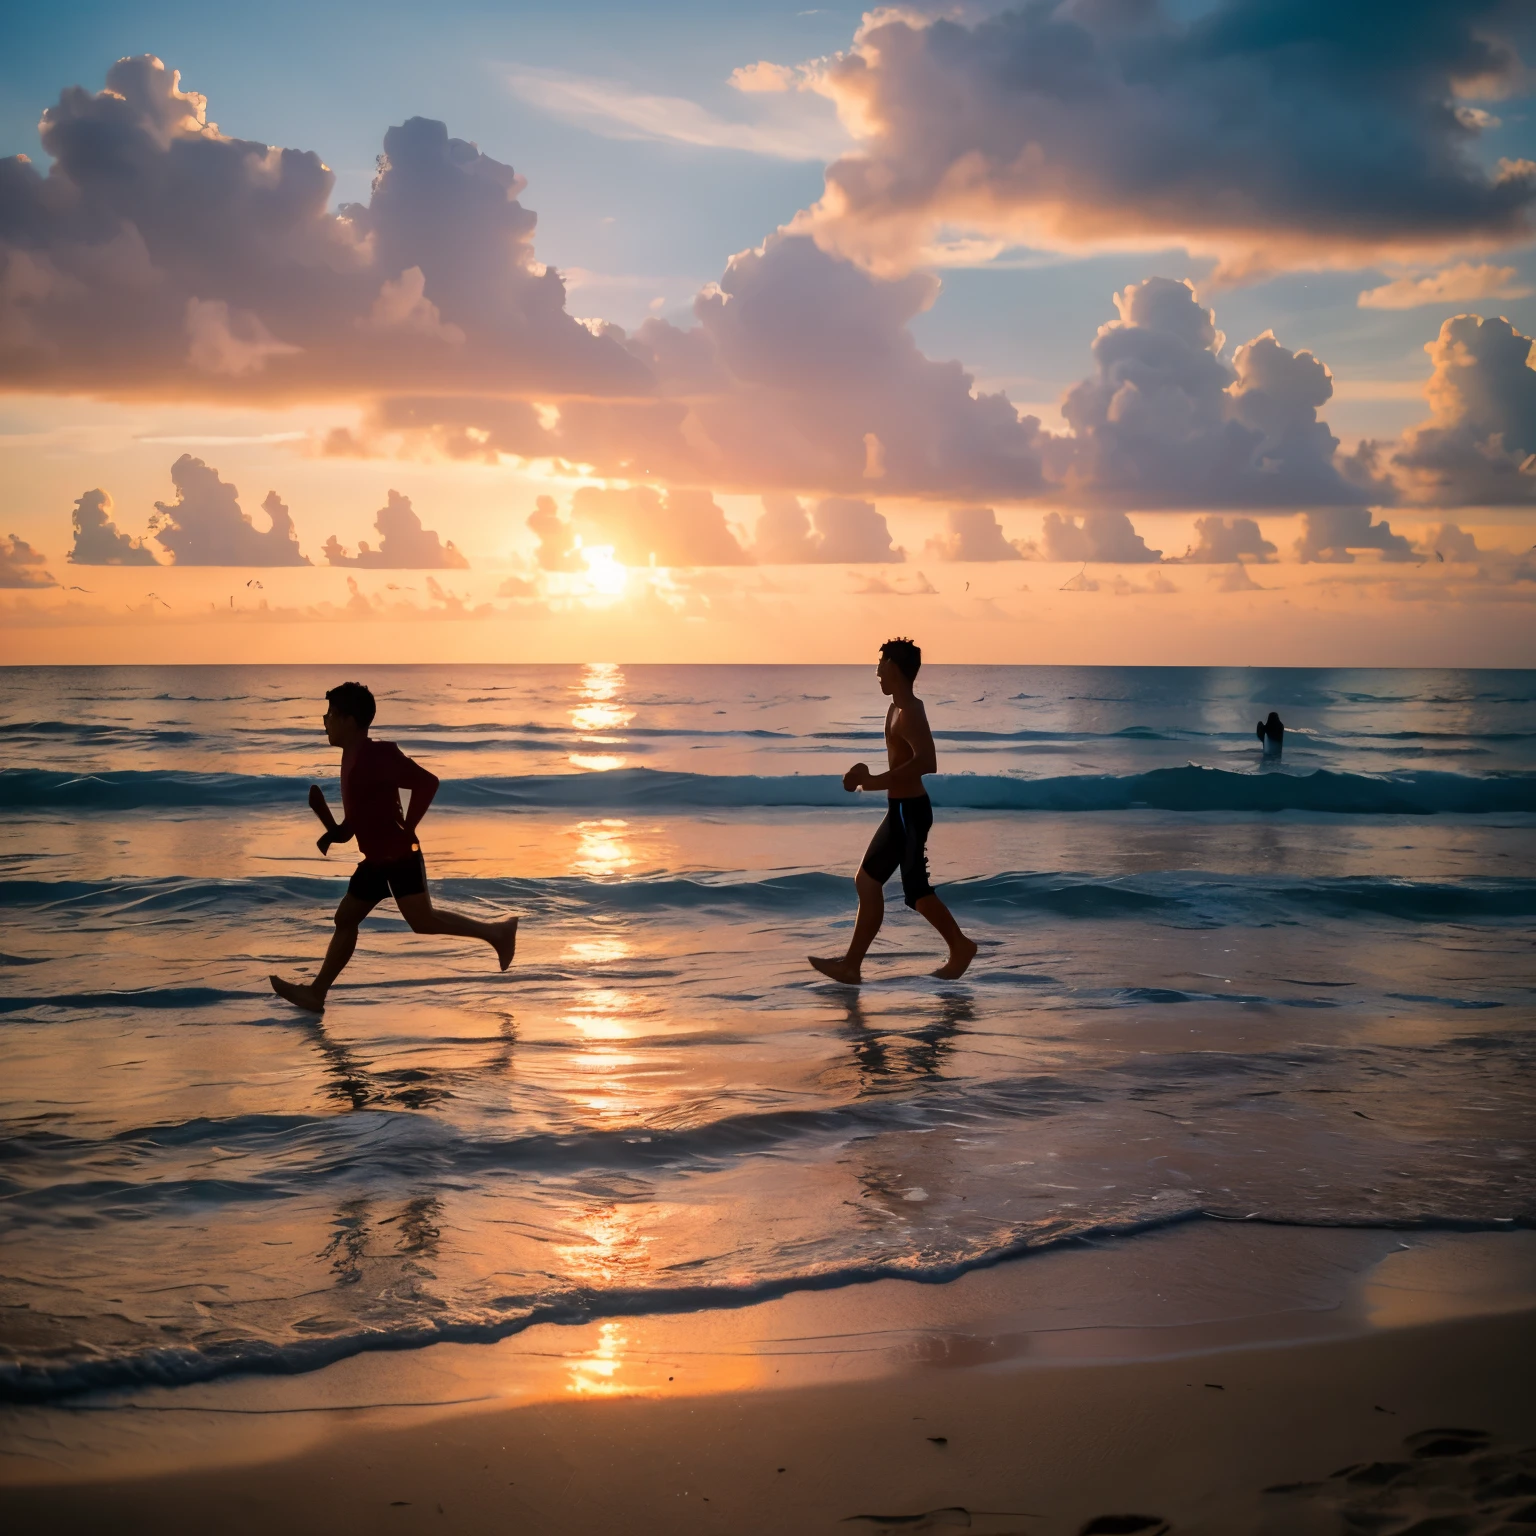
(605, 573)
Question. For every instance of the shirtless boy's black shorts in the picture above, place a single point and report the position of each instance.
(371, 883)
(902, 841)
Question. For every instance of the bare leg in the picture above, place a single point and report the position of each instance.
(423, 917)
(847, 969)
(349, 915)
(961, 949)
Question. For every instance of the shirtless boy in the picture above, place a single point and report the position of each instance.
(903, 835)
(372, 775)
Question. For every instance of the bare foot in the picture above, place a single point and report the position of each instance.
(299, 994)
(506, 945)
(838, 970)
(959, 961)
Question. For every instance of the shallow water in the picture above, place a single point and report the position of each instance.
(1300, 994)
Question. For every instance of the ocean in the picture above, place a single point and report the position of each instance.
(1209, 989)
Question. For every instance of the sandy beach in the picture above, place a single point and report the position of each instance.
(1331, 1386)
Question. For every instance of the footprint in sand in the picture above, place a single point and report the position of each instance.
(1454, 1482)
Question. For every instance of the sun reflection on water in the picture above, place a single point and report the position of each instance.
(601, 848)
(599, 709)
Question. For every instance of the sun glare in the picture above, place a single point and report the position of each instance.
(604, 573)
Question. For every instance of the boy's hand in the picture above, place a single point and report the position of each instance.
(317, 800)
(855, 777)
(324, 843)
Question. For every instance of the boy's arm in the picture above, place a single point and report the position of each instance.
(913, 729)
(335, 832)
(422, 785)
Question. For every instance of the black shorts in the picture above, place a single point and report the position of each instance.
(902, 841)
(371, 883)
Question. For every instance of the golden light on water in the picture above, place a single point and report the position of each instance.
(596, 1373)
(600, 951)
(598, 710)
(602, 848)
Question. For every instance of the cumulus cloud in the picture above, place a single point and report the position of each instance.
(1271, 134)
(838, 530)
(1102, 534)
(1167, 422)
(1455, 546)
(205, 526)
(1477, 449)
(23, 566)
(97, 538)
(404, 545)
(799, 372)
(1235, 578)
(1460, 284)
(1331, 536)
(641, 525)
(160, 256)
(1222, 541)
(972, 534)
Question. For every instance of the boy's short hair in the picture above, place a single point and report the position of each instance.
(353, 700)
(905, 654)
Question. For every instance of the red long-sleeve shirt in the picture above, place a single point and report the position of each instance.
(370, 799)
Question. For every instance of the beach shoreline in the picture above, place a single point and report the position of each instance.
(1036, 1395)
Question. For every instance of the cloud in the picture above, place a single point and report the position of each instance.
(158, 256)
(839, 530)
(97, 539)
(205, 526)
(972, 534)
(915, 585)
(1330, 536)
(22, 566)
(1156, 584)
(1460, 284)
(557, 550)
(617, 111)
(1455, 546)
(1476, 450)
(1103, 535)
(404, 545)
(765, 78)
(800, 372)
(1223, 541)
(641, 525)
(1269, 134)
(1168, 423)
(1235, 578)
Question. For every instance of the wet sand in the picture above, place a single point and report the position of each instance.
(1208, 1379)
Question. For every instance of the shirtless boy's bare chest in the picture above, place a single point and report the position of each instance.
(897, 748)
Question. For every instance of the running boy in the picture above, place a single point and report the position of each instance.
(372, 774)
(903, 835)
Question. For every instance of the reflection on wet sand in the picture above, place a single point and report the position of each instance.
(359, 1085)
(887, 1059)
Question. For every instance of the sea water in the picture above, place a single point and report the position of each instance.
(1209, 988)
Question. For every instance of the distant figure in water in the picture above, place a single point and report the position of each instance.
(1272, 734)
(372, 774)
(903, 835)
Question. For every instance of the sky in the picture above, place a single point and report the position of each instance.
(1176, 331)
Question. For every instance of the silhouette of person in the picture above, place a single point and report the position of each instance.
(1271, 734)
(372, 775)
(902, 838)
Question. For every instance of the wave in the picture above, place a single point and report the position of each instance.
(56, 1380)
(1190, 788)
(1181, 898)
